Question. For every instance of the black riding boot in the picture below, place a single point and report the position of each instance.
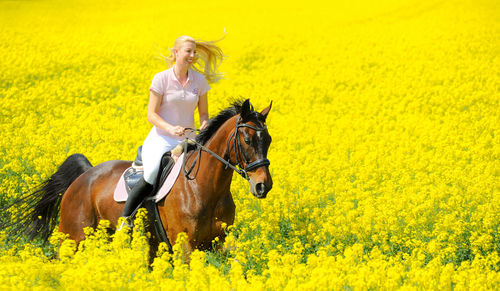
(137, 194)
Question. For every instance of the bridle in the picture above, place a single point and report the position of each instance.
(250, 166)
(237, 145)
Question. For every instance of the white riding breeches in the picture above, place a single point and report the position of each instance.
(153, 148)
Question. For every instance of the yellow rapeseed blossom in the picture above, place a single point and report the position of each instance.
(385, 154)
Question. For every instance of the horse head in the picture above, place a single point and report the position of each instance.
(252, 141)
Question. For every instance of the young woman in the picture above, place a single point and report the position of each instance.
(174, 95)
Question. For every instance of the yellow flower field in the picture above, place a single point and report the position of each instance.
(385, 126)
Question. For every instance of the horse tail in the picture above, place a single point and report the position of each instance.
(38, 212)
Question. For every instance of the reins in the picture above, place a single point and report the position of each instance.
(237, 148)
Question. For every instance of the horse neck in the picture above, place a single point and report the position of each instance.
(216, 172)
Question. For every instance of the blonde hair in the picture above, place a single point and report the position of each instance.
(208, 57)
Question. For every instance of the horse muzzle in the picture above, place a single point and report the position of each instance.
(261, 190)
(259, 187)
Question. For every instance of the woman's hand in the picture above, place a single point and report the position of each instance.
(177, 130)
(203, 125)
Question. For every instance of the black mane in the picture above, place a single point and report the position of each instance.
(216, 122)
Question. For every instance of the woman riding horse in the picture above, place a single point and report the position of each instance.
(174, 95)
(200, 202)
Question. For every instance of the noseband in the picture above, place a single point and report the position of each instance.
(250, 166)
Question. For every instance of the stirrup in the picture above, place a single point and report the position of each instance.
(127, 221)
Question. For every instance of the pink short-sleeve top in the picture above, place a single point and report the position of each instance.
(179, 102)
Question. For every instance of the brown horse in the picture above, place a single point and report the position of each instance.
(198, 204)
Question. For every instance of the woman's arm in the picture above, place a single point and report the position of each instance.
(153, 116)
(203, 110)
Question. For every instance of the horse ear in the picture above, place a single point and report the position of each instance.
(266, 110)
(246, 108)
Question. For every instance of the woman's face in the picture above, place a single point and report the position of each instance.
(185, 54)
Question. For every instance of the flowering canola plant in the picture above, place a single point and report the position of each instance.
(385, 126)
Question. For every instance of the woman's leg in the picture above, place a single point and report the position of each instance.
(153, 149)
(137, 194)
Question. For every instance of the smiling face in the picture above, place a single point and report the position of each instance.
(185, 53)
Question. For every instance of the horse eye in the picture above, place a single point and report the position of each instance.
(247, 140)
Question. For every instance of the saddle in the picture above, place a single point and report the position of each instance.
(133, 174)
